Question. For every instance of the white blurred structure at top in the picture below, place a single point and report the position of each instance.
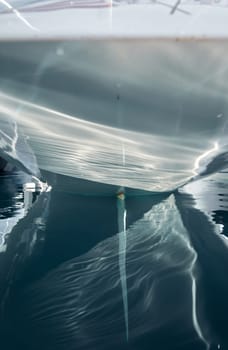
(43, 19)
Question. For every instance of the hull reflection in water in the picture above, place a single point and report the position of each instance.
(79, 304)
(147, 122)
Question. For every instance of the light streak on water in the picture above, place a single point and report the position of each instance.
(122, 216)
(194, 308)
(193, 277)
(203, 156)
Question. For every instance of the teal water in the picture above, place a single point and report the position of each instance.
(113, 195)
(62, 283)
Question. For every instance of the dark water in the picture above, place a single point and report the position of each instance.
(69, 280)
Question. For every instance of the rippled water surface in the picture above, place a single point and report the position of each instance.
(113, 196)
(70, 280)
